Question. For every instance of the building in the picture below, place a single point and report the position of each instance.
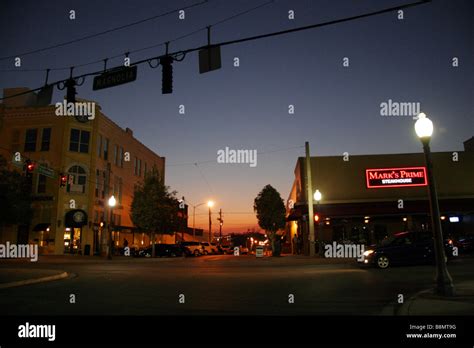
(367, 197)
(96, 158)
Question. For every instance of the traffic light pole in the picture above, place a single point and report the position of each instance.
(309, 194)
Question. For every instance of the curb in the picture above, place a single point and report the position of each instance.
(34, 281)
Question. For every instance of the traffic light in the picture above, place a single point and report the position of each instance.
(167, 75)
(29, 168)
(62, 180)
(316, 218)
(71, 91)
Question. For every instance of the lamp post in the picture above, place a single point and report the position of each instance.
(317, 197)
(111, 204)
(210, 204)
(444, 282)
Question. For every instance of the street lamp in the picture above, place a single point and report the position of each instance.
(210, 204)
(317, 197)
(444, 282)
(111, 204)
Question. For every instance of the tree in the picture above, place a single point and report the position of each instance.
(15, 197)
(270, 211)
(154, 209)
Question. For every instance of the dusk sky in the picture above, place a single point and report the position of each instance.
(337, 108)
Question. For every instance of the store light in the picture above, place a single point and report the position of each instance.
(443, 217)
(405, 219)
(453, 219)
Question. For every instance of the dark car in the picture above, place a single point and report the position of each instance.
(405, 248)
(162, 250)
(465, 244)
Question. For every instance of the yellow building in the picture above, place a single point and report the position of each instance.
(97, 158)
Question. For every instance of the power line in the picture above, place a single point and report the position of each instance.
(215, 161)
(231, 42)
(62, 44)
(152, 46)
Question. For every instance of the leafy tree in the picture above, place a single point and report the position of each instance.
(15, 197)
(154, 209)
(270, 211)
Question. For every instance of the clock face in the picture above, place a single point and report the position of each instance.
(78, 216)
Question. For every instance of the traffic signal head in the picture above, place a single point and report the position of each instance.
(167, 75)
(70, 90)
(62, 180)
(29, 168)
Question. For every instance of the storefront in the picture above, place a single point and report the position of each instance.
(75, 220)
(368, 197)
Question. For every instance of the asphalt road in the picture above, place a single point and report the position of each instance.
(221, 284)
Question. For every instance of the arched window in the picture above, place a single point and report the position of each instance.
(77, 179)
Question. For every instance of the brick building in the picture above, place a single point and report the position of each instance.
(100, 158)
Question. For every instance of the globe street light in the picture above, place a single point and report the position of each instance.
(444, 282)
(112, 201)
(210, 204)
(317, 197)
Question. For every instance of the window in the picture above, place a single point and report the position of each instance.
(79, 177)
(15, 140)
(45, 139)
(120, 183)
(96, 216)
(79, 141)
(121, 157)
(41, 184)
(139, 167)
(116, 152)
(106, 149)
(30, 140)
(135, 166)
(103, 185)
(97, 182)
(99, 146)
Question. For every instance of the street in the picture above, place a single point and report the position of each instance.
(217, 285)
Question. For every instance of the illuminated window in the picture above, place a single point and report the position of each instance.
(79, 178)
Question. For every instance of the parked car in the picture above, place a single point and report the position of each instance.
(161, 250)
(207, 248)
(192, 248)
(215, 248)
(405, 248)
(227, 249)
(465, 244)
(244, 250)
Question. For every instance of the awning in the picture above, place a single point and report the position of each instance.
(41, 227)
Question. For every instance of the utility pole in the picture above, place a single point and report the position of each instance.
(309, 194)
(210, 225)
(221, 222)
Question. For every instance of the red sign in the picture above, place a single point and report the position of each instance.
(396, 177)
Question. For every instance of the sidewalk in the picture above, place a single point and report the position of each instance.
(428, 303)
(12, 277)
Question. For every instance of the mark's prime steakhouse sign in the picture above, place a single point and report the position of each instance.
(396, 177)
